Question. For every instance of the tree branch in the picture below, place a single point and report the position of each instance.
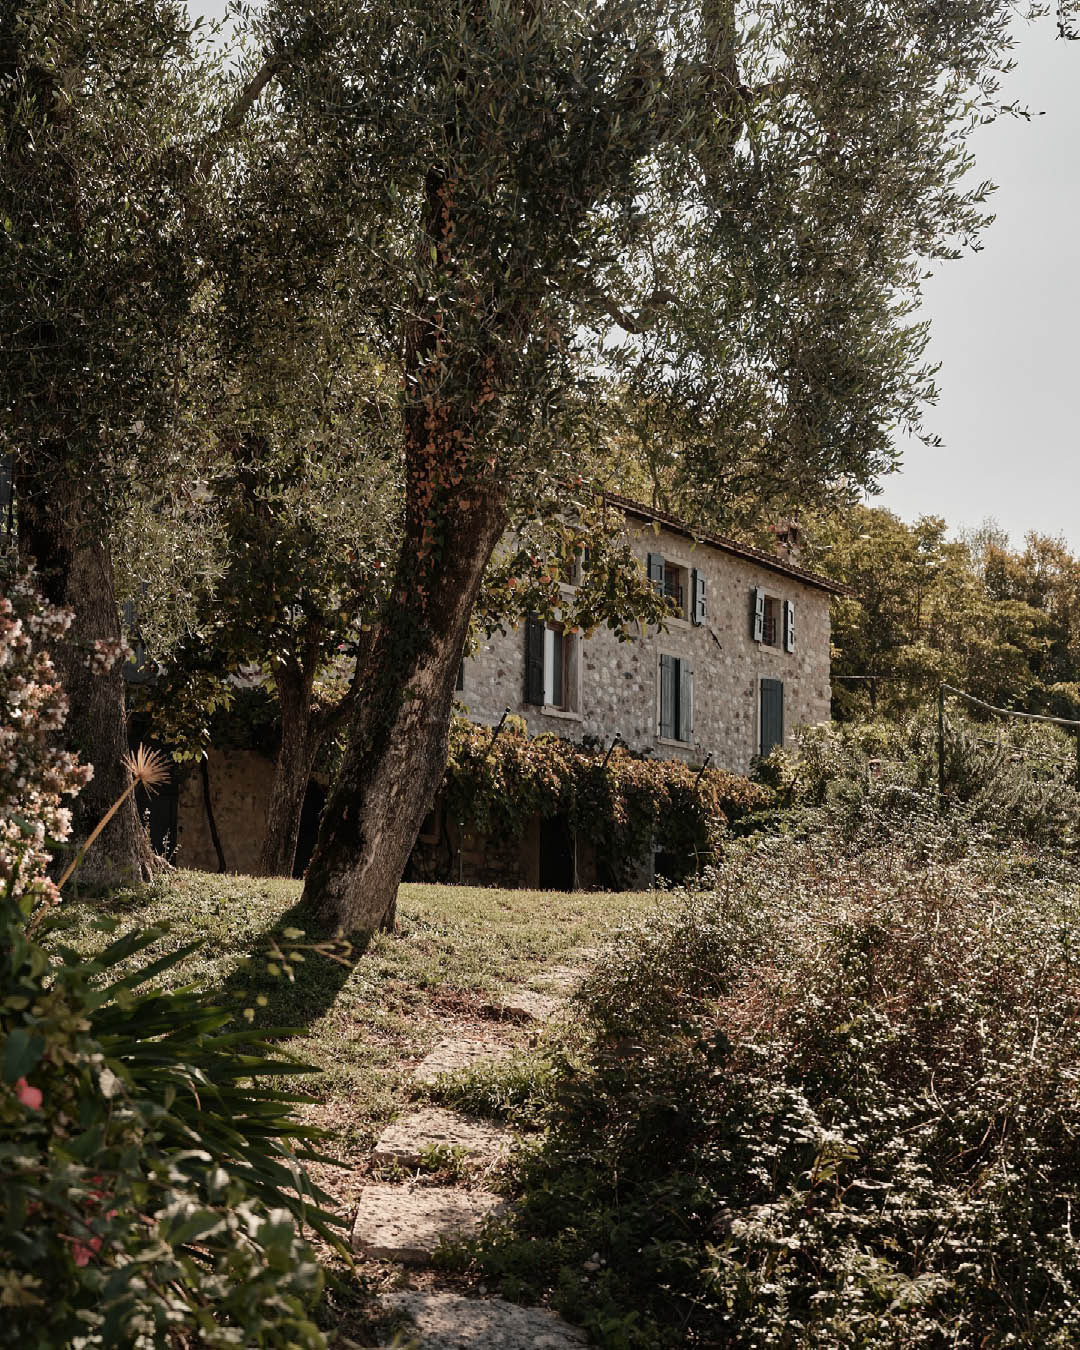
(241, 106)
(642, 322)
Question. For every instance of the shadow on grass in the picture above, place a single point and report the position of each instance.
(291, 981)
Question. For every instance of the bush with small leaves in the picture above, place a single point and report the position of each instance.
(830, 1102)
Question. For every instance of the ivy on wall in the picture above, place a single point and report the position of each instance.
(623, 807)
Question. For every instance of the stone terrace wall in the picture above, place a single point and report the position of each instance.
(619, 681)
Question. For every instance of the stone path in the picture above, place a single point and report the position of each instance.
(523, 1005)
(405, 1141)
(453, 1054)
(405, 1223)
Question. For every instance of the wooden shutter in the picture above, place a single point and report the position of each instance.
(656, 571)
(667, 697)
(686, 702)
(558, 669)
(698, 611)
(534, 661)
(789, 625)
(772, 715)
(757, 614)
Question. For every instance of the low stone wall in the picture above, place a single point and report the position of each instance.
(239, 795)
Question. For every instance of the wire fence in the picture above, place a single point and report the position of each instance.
(947, 690)
(1027, 752)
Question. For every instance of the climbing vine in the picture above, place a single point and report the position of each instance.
(622, 804)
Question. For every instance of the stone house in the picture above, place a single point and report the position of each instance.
(744, 661)
(741, 665)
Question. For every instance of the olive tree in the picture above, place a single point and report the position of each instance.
(723, 208)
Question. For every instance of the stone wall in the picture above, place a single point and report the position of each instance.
(619, 688)
(239, 794)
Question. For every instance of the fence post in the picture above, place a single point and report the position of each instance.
(941, 744)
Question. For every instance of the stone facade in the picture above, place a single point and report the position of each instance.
(617, 684)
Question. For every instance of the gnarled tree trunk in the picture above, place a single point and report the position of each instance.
(75, 568)
(398, 736)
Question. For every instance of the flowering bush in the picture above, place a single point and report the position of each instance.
(35, 775)
(623, 807)
(149, 1193)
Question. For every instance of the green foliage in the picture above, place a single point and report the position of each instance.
(827, 1103)
(1014, 780)
(149, 1186)
(623, 808)
(999, 623)
(151, 1180)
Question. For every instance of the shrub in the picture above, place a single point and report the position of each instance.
(1013, 780)
(149, 1191)
(832, 1103)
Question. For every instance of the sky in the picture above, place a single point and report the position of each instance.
(1004, 325)
(1004, 322)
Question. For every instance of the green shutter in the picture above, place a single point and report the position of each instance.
(558, 670)
(789, 625)
(534, 661)
(656, 570)
(699, 611)
(772, 715)
(757, 614)
(686, 702)
(667, 697)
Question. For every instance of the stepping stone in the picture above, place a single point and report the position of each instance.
(453, 1322)
(523, 1005)
(405, 1141)
(451, 1055)
(406, 1223)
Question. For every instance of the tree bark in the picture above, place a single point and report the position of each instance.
(398, 737)
(300, 741)
(75, 569)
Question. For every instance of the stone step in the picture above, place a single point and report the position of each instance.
(453, 1054)
(406, 1223)
(523, 1005)
(452, 1322)
(405, 1141)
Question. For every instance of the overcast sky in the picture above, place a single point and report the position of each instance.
(1004, 322)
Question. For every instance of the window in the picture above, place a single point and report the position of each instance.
(768, 632)
(683, 586)
(765, 619)
(676, 700)
(552, 666)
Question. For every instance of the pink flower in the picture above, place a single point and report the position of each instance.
(82, 1252)
(29, 1096)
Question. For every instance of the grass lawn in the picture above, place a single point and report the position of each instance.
(365, 1023)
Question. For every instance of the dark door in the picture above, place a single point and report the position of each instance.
(772, 715)
(556, 855)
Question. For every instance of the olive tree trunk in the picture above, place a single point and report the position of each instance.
(398, 735)
(74, 563)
